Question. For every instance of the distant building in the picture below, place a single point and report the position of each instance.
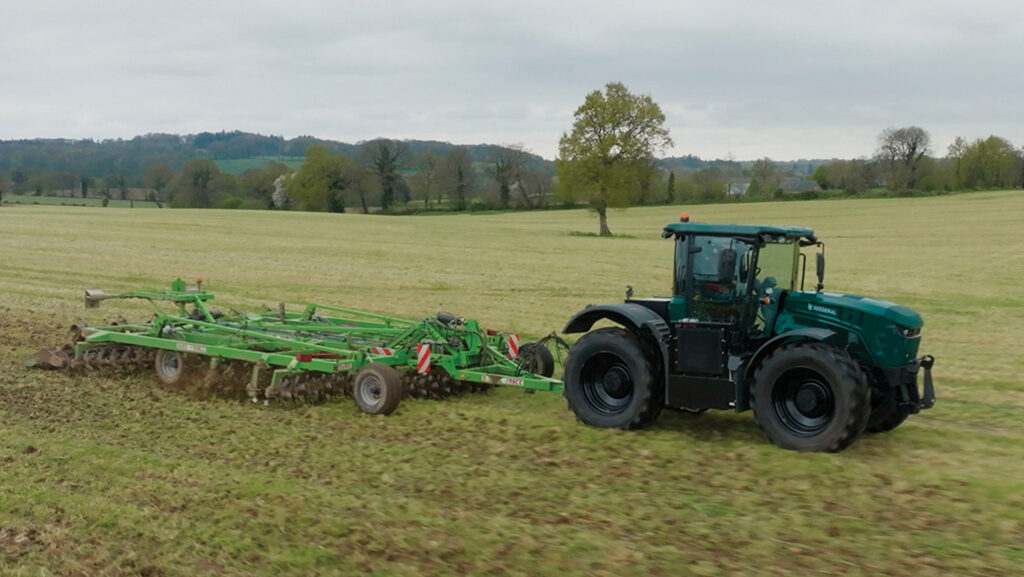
(798, 184)
(737, 187)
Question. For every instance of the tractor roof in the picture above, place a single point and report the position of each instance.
(738, 230)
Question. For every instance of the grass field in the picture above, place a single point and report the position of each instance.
(62, 201)
(104, 475)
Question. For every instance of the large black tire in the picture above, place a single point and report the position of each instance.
(542, 362)
(886, 412)
(172, 368)
(810, 396)
(611, 381)
(377, 389)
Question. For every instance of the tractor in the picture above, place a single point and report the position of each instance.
(740, 332)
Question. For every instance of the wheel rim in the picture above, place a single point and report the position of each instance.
(371, 390)
(607, 383)
(803, 401)
(170, 365)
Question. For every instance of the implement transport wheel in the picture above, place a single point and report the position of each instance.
(378, 389)
(610, 380)
(171, 367)
(811, 397)
(542, 362)
(886, 412)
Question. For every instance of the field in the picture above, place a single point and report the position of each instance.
(62, 200)
(104, 475)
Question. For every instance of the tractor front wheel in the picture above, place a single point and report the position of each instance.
(886, 412)
(377, 389)
(610, 381)
(811, 397)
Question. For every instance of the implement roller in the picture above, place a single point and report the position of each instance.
(321, 352)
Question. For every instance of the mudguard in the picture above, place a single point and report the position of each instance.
(629, 315)
(808, 334)
(636, 318)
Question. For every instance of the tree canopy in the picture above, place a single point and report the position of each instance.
(607, 159)
(320, 182)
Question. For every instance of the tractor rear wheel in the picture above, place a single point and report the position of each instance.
(377, 389)
(810, 397)
(542, 362)
(886, 412)
(610, 380)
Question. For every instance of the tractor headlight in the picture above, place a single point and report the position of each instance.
(909, 333)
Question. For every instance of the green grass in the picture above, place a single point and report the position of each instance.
(237, 166)
(108, 475)
(65, 201)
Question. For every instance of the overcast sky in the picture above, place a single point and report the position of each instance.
(784, 79)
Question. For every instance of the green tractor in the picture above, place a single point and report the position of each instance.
(738, 333)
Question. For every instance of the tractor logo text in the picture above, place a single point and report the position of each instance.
(820, 309)
(508, 381)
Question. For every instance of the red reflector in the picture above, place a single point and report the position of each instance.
(306, 357)
(492, 333)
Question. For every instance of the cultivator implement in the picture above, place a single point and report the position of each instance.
(309, 355)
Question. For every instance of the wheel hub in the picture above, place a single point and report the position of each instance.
(810, 399)
(616, 382)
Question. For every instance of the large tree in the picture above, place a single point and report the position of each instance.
(507, 169)
(258, 183)
(991, 163)
(900, 151)
(456, 175)
(428, 166)
(319, 183)
(765, 177)
(607, 159)
(385, 157)
(199, 185)
(157, 177)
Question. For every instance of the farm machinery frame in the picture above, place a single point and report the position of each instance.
(319, 352)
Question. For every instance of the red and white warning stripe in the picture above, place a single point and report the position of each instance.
(423, 359)
(382, 351)
(513, 345)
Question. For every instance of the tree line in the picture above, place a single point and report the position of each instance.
(384, 176)
(608, 158)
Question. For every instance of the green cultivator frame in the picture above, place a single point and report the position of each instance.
(319, 352)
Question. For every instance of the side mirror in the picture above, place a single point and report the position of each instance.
(820, 265)
(726, 265)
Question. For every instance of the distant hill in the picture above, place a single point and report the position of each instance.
(234, 151)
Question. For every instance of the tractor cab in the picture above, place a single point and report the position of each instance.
(733, 276)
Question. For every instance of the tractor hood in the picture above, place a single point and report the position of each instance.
(841, 305)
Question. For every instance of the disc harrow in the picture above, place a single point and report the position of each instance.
(304, 357)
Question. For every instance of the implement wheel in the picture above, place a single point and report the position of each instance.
(811, 397)
(171, 368)
(377, 389)
(542, 362)
(611, 382)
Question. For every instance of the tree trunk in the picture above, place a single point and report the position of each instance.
(362, 199)
(602, 217)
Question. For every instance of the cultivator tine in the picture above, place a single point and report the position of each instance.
(50, 359)
(437, 385)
